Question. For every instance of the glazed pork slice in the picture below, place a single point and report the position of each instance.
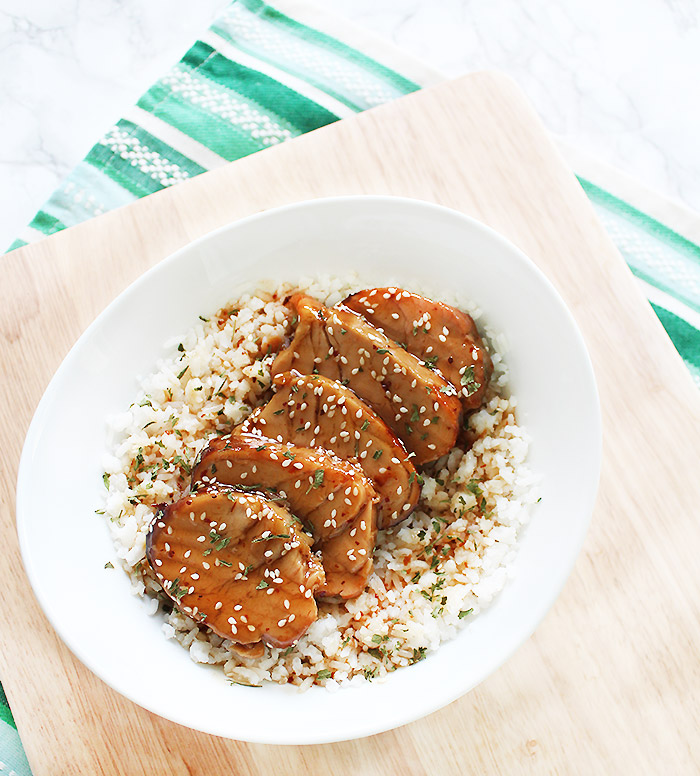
(315, 411)
(237, 562)
(333, 498)
(443, 337)
(325, 491)
(347, 558)
(417, 403)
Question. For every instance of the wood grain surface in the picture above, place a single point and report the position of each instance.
(610, 682)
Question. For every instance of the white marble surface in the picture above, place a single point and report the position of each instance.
(617, 78)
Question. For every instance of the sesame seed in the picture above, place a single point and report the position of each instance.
(281, 623)
(183, 569)
(251, 628)
(286, 603)
(194, 576)
(291, 618)
(218, 605)
(205, 565)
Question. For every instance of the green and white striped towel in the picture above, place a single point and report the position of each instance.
(264, 73)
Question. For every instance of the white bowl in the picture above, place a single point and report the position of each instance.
(65, 545)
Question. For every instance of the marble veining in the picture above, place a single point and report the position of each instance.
(616, 78)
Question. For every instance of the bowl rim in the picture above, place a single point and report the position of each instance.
(451, 692)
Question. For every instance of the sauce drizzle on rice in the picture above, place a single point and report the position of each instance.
(432, 573)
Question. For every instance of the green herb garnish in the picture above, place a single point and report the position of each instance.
(418, 655)
(469, 381)
(317, 480)
(175, 590)
(268, 537)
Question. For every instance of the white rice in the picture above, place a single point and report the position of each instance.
(415, 599)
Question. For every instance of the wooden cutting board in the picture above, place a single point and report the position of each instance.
(610, 681)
